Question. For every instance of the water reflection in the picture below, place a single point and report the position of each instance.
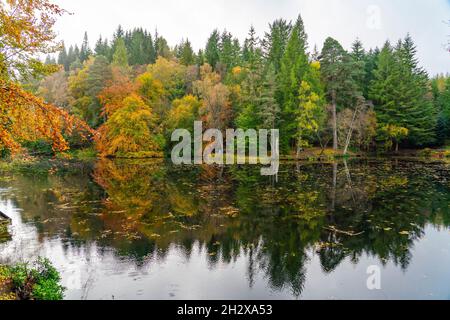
(145, 229)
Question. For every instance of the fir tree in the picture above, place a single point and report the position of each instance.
(275, 42)
(269, 109)
(400, 93)
(85, 51)
(212, 51)
(63, 58)
(120, 57)
(294, 65)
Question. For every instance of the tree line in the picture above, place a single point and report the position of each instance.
(135, 89)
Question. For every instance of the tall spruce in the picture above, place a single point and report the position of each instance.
(269, 109)
(85, 50)
(294, 65)
(212, 50)
(275, 42)
(400, 92)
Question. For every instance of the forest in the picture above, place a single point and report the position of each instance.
(124, 97)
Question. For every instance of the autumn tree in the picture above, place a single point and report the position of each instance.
(115, 91)
(215, 110)
(183, 114)
(130, 131)
(54, 89)
(310, 114)
(26, 32)
(85, 86)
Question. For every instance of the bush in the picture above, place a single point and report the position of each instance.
(40, 147)
(41, 281)
(426, 153)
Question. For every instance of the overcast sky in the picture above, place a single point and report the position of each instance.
(373, 21)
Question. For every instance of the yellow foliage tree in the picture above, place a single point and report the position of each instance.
(184, 113)
(130, 132)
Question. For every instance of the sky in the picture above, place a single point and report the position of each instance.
(372, 21)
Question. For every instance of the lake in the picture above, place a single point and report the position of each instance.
(145, 229)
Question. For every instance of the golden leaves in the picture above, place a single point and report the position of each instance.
(25, 117)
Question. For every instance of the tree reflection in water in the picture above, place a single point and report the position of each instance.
(338, 210)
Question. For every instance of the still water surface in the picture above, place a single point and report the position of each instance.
(148, 230)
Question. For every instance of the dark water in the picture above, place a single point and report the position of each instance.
(147, 230)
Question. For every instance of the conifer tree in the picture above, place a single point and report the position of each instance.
(275, 42)
(294, 65)
(85, 51)
(212, 51)
(120, 57)
(400, 93)
(269, 109)
(63, 58)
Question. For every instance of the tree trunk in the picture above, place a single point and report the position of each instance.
(334, 119)
(350, 132)
(396, 147)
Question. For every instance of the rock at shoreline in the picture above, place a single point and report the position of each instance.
(4, 217)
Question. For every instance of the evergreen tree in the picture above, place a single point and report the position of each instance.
(161, 47)
(252, 52)
(120, 57)
(102, 47)
(212, 51)
(200, 58)
(63, 58)
(136, 48)
(149, 49)
(358, 55)
(275, 42)
(294, 65)
(99, 74)
(85, 51)
(187, 56)
(269, 109)
(302, 35)
(226, 55)
(400, 93)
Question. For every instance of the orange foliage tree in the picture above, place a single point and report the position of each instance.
(26, 30)
(112, 96)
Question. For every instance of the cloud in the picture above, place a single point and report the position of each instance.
(373, 21)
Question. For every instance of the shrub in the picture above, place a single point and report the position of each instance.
(40, 281)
